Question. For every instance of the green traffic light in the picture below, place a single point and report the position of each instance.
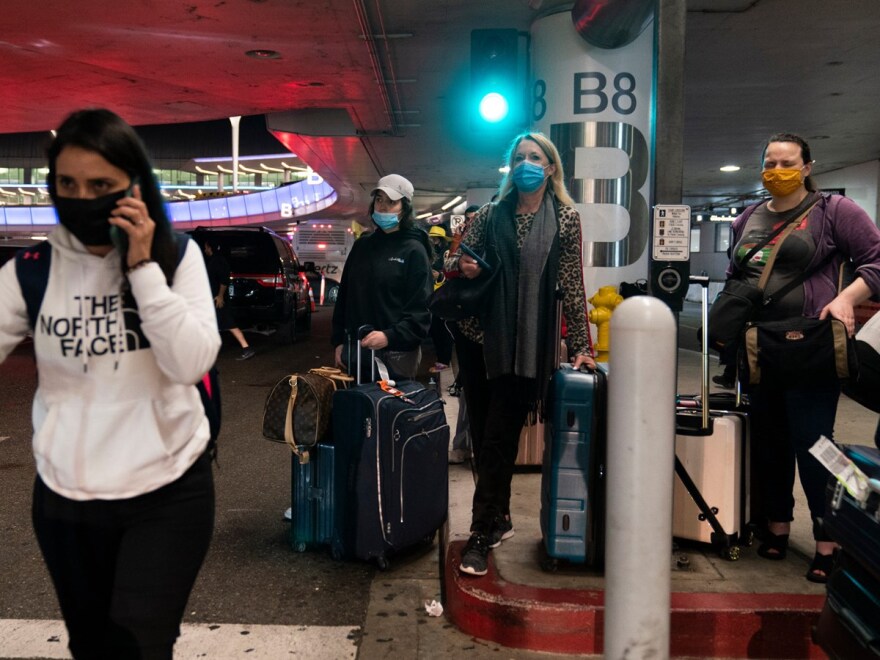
(493, 107)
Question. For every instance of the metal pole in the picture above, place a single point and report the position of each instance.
(641, 452)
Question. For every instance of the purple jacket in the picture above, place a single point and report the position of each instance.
(837, 226)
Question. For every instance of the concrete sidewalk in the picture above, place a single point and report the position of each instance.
(745, 608)
(703, 584)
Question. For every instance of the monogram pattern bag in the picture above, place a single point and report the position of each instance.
(297, 410)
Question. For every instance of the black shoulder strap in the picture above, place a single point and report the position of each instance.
(790, 217)
(182, 242)
(32, 270)
(209, 386)
(760, 245)
(800, 279)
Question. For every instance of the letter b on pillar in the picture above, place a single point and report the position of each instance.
(616, 153)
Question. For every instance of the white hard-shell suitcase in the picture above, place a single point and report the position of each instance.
(715, 465)
(710, 494)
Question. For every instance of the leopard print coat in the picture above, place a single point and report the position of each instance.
(571, 274)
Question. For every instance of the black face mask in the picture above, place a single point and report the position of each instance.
(87, 219)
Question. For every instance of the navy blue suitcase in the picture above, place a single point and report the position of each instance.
(849, 624)
(392, 468)
(854, 526)
(573, 469)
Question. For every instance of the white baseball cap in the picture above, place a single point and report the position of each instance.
(395, 186)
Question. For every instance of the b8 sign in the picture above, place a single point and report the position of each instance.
(592, 94)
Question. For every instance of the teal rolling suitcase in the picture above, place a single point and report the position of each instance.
(573, 470)
(314, 508)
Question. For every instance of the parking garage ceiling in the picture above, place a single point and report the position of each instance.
(397, 71)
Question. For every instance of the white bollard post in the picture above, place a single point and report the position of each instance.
(640, 464)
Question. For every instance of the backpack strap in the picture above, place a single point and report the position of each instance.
(32, 266)
(182, 242)
(209, 385)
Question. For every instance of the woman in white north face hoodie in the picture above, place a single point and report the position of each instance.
(124, 498)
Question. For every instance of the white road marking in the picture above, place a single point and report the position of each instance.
(46, 638)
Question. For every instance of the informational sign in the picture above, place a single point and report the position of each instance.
(672, 232)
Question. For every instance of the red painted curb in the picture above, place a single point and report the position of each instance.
(703, 625)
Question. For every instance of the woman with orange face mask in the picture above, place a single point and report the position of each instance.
(788, 419)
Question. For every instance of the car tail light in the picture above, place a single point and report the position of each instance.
(273, 281)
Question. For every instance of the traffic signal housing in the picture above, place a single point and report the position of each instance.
(497, 79)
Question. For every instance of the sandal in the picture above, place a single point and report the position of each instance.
(820, 569)
(774, 547)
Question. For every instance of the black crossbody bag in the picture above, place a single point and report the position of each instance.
(739, 301)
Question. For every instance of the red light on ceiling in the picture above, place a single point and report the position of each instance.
(322, 246)
(263, 54)
(305, 83)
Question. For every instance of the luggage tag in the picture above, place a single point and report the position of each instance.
(844, 470)
(385, 386)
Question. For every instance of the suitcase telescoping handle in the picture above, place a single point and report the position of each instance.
(362, 332)
(703, 281)
(375, 363)
(557, 333)
(557, 336)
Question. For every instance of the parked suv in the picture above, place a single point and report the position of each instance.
(267, 285)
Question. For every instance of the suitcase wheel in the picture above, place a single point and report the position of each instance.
(548, 564)
(382, 563)
(731, 553)
(300, 546)
(336, 552)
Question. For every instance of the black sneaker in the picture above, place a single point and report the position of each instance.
(724, 381)
(475, 556)
(247, 353)
(501, 531)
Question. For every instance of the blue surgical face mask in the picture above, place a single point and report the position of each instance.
(528, 177)
(386, 221)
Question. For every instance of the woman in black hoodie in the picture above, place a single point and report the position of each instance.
(386, 284)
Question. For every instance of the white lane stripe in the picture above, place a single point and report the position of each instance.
(43, 638)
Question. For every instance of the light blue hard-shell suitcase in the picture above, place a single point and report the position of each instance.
(573, 470)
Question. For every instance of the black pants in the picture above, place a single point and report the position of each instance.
(442, 339)
(497, 415)
(123, 569)
(785, 423)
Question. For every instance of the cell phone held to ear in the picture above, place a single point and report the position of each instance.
(117, 235)
(481, 262)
